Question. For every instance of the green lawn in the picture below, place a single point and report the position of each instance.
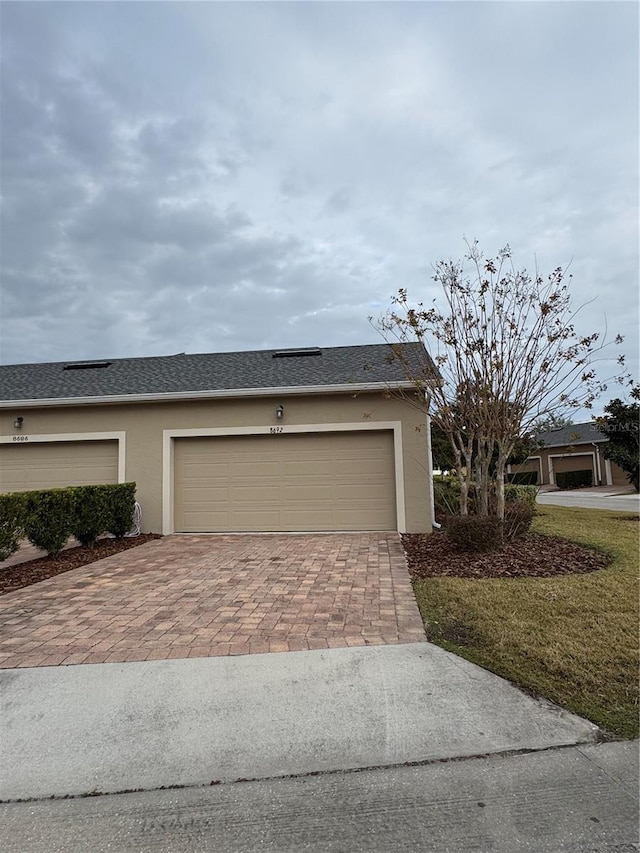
(573, 639)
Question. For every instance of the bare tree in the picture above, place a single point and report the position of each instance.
(508, 354)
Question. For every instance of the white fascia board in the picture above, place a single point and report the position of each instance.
(575, 443)
(225, 394)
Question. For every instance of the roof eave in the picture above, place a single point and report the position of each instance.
(576, 443)
(219, 394)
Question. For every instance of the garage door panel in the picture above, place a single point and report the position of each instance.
(261, 519)
(207, 473)
(248, 474)
(49, 465)
(349, 493)
(306, 469)
(326, 481)
(373, 467)
(310, 519)
(206, 494)
(291, 495)
(203, 519)
(252, 494)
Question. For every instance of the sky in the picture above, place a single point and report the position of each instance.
(203, 176)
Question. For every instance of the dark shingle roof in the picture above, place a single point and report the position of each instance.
(224, 371)
(583, 433)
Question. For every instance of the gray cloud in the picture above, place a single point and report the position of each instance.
(218, 176)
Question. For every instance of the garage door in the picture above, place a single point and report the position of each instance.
(48, 465)
(573, 462)
(325, 481)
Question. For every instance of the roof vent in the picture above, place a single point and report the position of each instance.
(87, 365)
(297, 353)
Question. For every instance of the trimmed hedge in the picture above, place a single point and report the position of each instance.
(574, 479)
(49, 516)
(475, 532)
(12, 515)
(121, 501)
(89, 514)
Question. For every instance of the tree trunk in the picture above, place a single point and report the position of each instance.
(462, 449)
(462, 498)
(500, 468)
(483, 463)
(468, 455)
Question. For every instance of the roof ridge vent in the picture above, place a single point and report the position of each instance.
(296, 353)
(87, 365)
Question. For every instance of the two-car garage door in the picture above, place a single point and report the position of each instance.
(285, 482)
(47, 465)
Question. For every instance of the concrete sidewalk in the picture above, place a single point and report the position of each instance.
(143, 725)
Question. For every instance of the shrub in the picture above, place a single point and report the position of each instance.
(91, 513)
(475, 532)
(12, 516)
(520, 494)
(49, 518)
(120, 500)
(446, 495)
(518, 516)
(574, 479)
(524, 478)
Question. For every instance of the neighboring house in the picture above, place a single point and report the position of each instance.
(288, 440)
(577, 447)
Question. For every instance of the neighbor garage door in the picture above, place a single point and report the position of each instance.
(324, 481)
(573, 462)
(46, 465)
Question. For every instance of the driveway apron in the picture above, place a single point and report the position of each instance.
(202, 596)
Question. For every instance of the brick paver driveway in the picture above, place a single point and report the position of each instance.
(195, 596)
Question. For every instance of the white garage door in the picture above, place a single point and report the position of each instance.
(48, 465)
(324, 481)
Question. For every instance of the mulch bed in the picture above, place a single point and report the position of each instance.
(534, 555)
(430, 556)
(24, 574)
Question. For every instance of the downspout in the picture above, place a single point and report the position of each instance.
(597, 461)
(432, 504)
(608, 472)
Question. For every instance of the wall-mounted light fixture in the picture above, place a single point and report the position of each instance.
(17, 424)
(280, 412)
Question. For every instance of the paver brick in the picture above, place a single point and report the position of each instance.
(193, 596)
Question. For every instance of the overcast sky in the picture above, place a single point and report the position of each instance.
(203, 177)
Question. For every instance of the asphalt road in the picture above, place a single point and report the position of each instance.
(570, 800)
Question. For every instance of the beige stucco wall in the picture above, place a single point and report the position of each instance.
(144, 423)
(618, 476)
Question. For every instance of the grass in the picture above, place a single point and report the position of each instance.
(573, 639)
